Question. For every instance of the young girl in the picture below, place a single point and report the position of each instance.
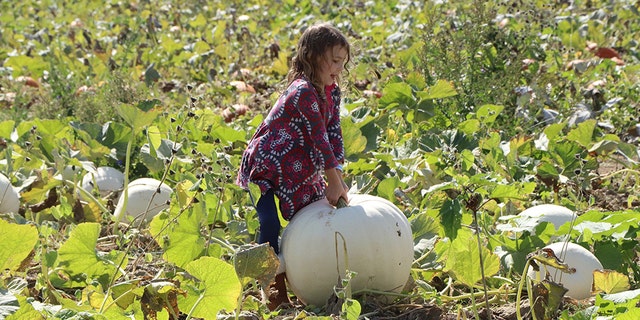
(300, 139)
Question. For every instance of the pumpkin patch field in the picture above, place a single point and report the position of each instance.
(492, 151)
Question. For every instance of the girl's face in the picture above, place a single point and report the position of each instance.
(332, 64)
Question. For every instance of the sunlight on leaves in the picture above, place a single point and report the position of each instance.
(354, 141)
(442, 89)
(583, 133)
(80, 260)
(140, 116)
(16, 242)
(610, 281)
(218, 289)
(180, 239)
(464, 261)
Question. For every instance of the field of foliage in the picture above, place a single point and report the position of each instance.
(462, 113)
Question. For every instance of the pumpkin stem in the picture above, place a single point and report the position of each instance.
(342, 203)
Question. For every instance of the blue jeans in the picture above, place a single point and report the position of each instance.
(269, 221)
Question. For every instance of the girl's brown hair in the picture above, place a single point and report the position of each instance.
(312, 45)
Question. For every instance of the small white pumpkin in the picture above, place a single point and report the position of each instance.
(555, 214)
(9, 197)
(379, 247)
(147, 197)
(106, 179)
(575, 256)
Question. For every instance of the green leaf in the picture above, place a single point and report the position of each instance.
(354, 141)
(139, 117)
(488, 113)
(470, 126)
(451, 218)
(387, 187)
(154, 138)
(583, 133)
(397, 93)
(181, 238)
(610, 281)
(553, 130)
(442, 89)
(16, 242)
(463, 261)
(351, 309)
(219, 288)
(35, 65)
(518, 191)
(256, 262)
(82, 263)
(6, 128)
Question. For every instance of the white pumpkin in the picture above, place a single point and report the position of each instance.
(379, 247)
(9, 197)
(555, 214)
(106, 179)
(575, 256)
(147, 197)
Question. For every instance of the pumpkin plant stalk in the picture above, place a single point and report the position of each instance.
(474, 210)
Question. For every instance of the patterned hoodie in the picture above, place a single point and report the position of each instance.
(300, 138)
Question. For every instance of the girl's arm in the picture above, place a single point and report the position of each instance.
(335, 186)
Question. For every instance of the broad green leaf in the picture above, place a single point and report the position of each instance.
(170, 44)
(397, 93)
(82, 263)
(199, 21)
(280, 65)
(451, 218)
(34, 64)
(351, 309)
(488, 113)
(583, 133)
(16, 242)
(6, 128)
(179, 236)
(463, 261)
(354, 141)
(139, 117)
(513, 191)
(470, 126)
(227, 134)
(219, 288)
(553, 130)
(125, 293)
(258, 262)
(386, 188)
(442, 89)
(610, 281)
(154, 138)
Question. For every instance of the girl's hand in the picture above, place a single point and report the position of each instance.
(336, 188)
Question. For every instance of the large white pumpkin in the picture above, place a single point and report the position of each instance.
(106, 179)
(379, 246)
(147, 197)
(575, 256)
(9, 197)
(557, 215)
